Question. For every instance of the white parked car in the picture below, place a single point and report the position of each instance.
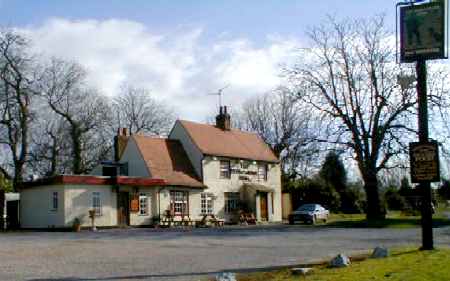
(309, 213)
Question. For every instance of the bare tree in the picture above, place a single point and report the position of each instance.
(287, 126)
(135, 109)
(349, 76)
(17, 78)
(50, 152)
(85, 112)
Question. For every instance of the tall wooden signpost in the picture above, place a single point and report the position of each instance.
(423, 28)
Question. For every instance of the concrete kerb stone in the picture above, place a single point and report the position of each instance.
(379, 253)
(340, 260)
(301, 270)
(226, 276)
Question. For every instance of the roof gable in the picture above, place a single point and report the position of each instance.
(234, 143)
(166, 159)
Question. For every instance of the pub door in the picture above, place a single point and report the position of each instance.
(123, 209)
(263, 206)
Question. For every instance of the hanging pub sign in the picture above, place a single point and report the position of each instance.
(424, 162)
(423, 32)
(134, 203)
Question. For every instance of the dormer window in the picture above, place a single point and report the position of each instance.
(225, 169)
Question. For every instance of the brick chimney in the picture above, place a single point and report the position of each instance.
(120, 142)
(223, 120)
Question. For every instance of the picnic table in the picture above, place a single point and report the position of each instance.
(209, 219)
(169, 220)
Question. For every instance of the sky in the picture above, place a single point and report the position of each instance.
(181, 50)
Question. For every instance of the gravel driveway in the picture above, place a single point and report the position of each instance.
(177, 254)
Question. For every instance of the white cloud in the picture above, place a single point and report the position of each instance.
(181, 67)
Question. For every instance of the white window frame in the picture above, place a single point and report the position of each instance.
(144, 204)
(179, 202)
(231, 202)
(207, 203)
(262, 171)
(225, 172)
(54, 202)
(97, 203)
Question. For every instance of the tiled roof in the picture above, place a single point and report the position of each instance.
(95, 180)
(234, 143)
(167, 160)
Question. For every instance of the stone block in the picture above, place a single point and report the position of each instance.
(340, 260)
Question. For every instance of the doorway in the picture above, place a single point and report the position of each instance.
(263, 206)
(123, 209)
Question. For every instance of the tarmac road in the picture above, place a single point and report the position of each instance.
(180, 254)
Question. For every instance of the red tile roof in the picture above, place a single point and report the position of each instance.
(166, 159)
(95, 180)
(234, 143)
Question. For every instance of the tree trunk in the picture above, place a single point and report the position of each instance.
(2, 206)
(374, 209)
(18, 176)
(76, 151)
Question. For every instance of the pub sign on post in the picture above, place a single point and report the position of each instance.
(422, 32)
(424, 161)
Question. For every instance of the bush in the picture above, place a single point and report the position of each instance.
(394, 200)
(316, 191)
(444, 190)
(352, 200)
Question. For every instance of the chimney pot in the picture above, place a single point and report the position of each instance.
(223, 120)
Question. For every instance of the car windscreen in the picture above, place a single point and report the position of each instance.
(307, 208)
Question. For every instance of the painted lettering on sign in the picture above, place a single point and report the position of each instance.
(424, 161)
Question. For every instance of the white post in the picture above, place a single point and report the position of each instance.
(270, 206)
(258, 207)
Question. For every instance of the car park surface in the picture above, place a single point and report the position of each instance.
(184, 254)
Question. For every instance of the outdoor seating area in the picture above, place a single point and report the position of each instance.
(171, 220)
(247, 218)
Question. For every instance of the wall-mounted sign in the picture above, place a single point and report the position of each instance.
(422, 32)
(134, 204)
(424, 161)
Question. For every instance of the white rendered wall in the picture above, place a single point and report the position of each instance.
(218, 186)
(136, 219)
(78, 202)
(193, 199)
(36, 207)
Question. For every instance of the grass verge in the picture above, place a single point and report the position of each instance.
(393, 220)
(402, 265)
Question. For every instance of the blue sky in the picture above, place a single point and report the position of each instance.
(250, 18)
(180, 50)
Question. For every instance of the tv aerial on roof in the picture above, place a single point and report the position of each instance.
(219, 93)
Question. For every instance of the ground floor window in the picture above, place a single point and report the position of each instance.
(179, 202)
(207, 204)
(54, 206)
(96, 203)
(231, 202)
(143, 204)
